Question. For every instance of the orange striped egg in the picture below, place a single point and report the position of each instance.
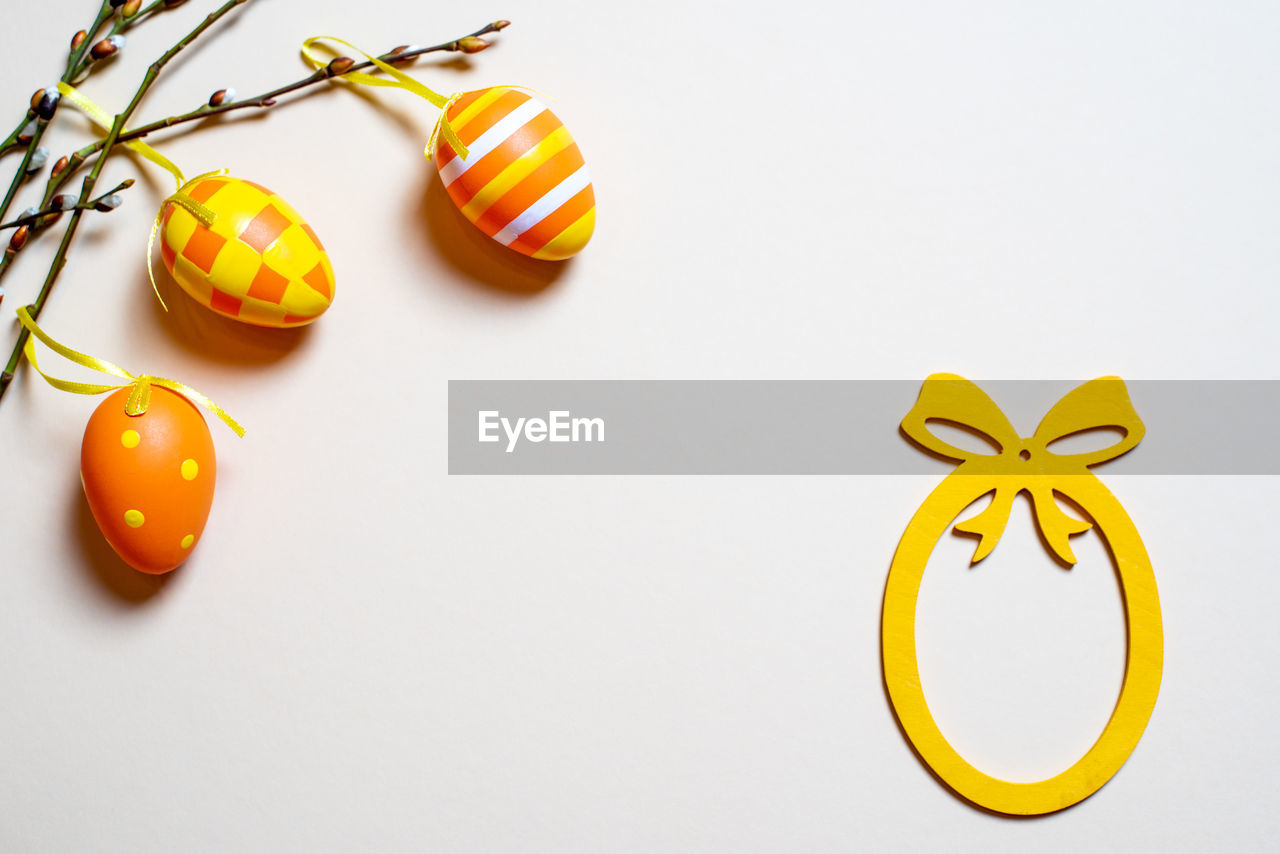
(149, 478)
(257, 260)
(523, 181)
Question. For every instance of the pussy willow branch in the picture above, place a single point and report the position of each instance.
(54, 210)
(78, 59)
(265, 100)
(268, 99)
(78, 62)
(86, 189)
(38, 123)
(45, 215)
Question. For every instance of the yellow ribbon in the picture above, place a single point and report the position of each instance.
(104, 120)
(1024, 465)
(401, 81)
(139, 385)
(202, 214)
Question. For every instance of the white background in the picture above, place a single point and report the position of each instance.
(366, 654)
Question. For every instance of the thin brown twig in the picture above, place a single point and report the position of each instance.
(78, 62)
(52, 210)
(397, 56)
(268, 99)
(87, 186)
(37, 123)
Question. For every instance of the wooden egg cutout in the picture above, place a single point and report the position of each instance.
(523, 182)
(1023, 464)
(256, 260)
(149, 478)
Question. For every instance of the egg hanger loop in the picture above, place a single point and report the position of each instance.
(104, 120)
(139, 384)
(401, 81)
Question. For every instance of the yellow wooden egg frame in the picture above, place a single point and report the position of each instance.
(1023, 465)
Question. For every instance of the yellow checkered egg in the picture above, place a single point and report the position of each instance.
(241, 250)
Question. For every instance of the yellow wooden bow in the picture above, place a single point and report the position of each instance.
(1024, 464)
(139, 384)
(400, 81)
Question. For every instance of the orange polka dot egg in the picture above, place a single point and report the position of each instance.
(241, 250)
(149, 478)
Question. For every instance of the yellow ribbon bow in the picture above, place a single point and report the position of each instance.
(140, 384)
(104, 120)
(1024, 465)
(400, 81)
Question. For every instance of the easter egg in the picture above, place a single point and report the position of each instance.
(523, 181)
(254, 259)
(149, 478)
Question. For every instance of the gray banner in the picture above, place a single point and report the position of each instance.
(825, 427)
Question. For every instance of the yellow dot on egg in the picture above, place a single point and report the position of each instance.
(130, 438)
(188, 540)
(134, 518)
(190, 469)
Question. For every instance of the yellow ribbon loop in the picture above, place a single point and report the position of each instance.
(139, 385)
(1024, 465)
(104, 120)
(202, 214)
(151, 244)
(442, 126)
(401, 81)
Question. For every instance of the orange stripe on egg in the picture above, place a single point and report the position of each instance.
(464, 110)
(529, 136)
(549, 229)
(470, 131)
(485, 113)
(519, 169)
(465, 100)
(526, 193)
(570, 241)
(460, 113)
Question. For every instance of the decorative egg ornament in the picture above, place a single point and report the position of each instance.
(234, 246)
(238, 248)
(149, 478)
(523, 181)
(147, 462)
(1024, 465)
(509, 164)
